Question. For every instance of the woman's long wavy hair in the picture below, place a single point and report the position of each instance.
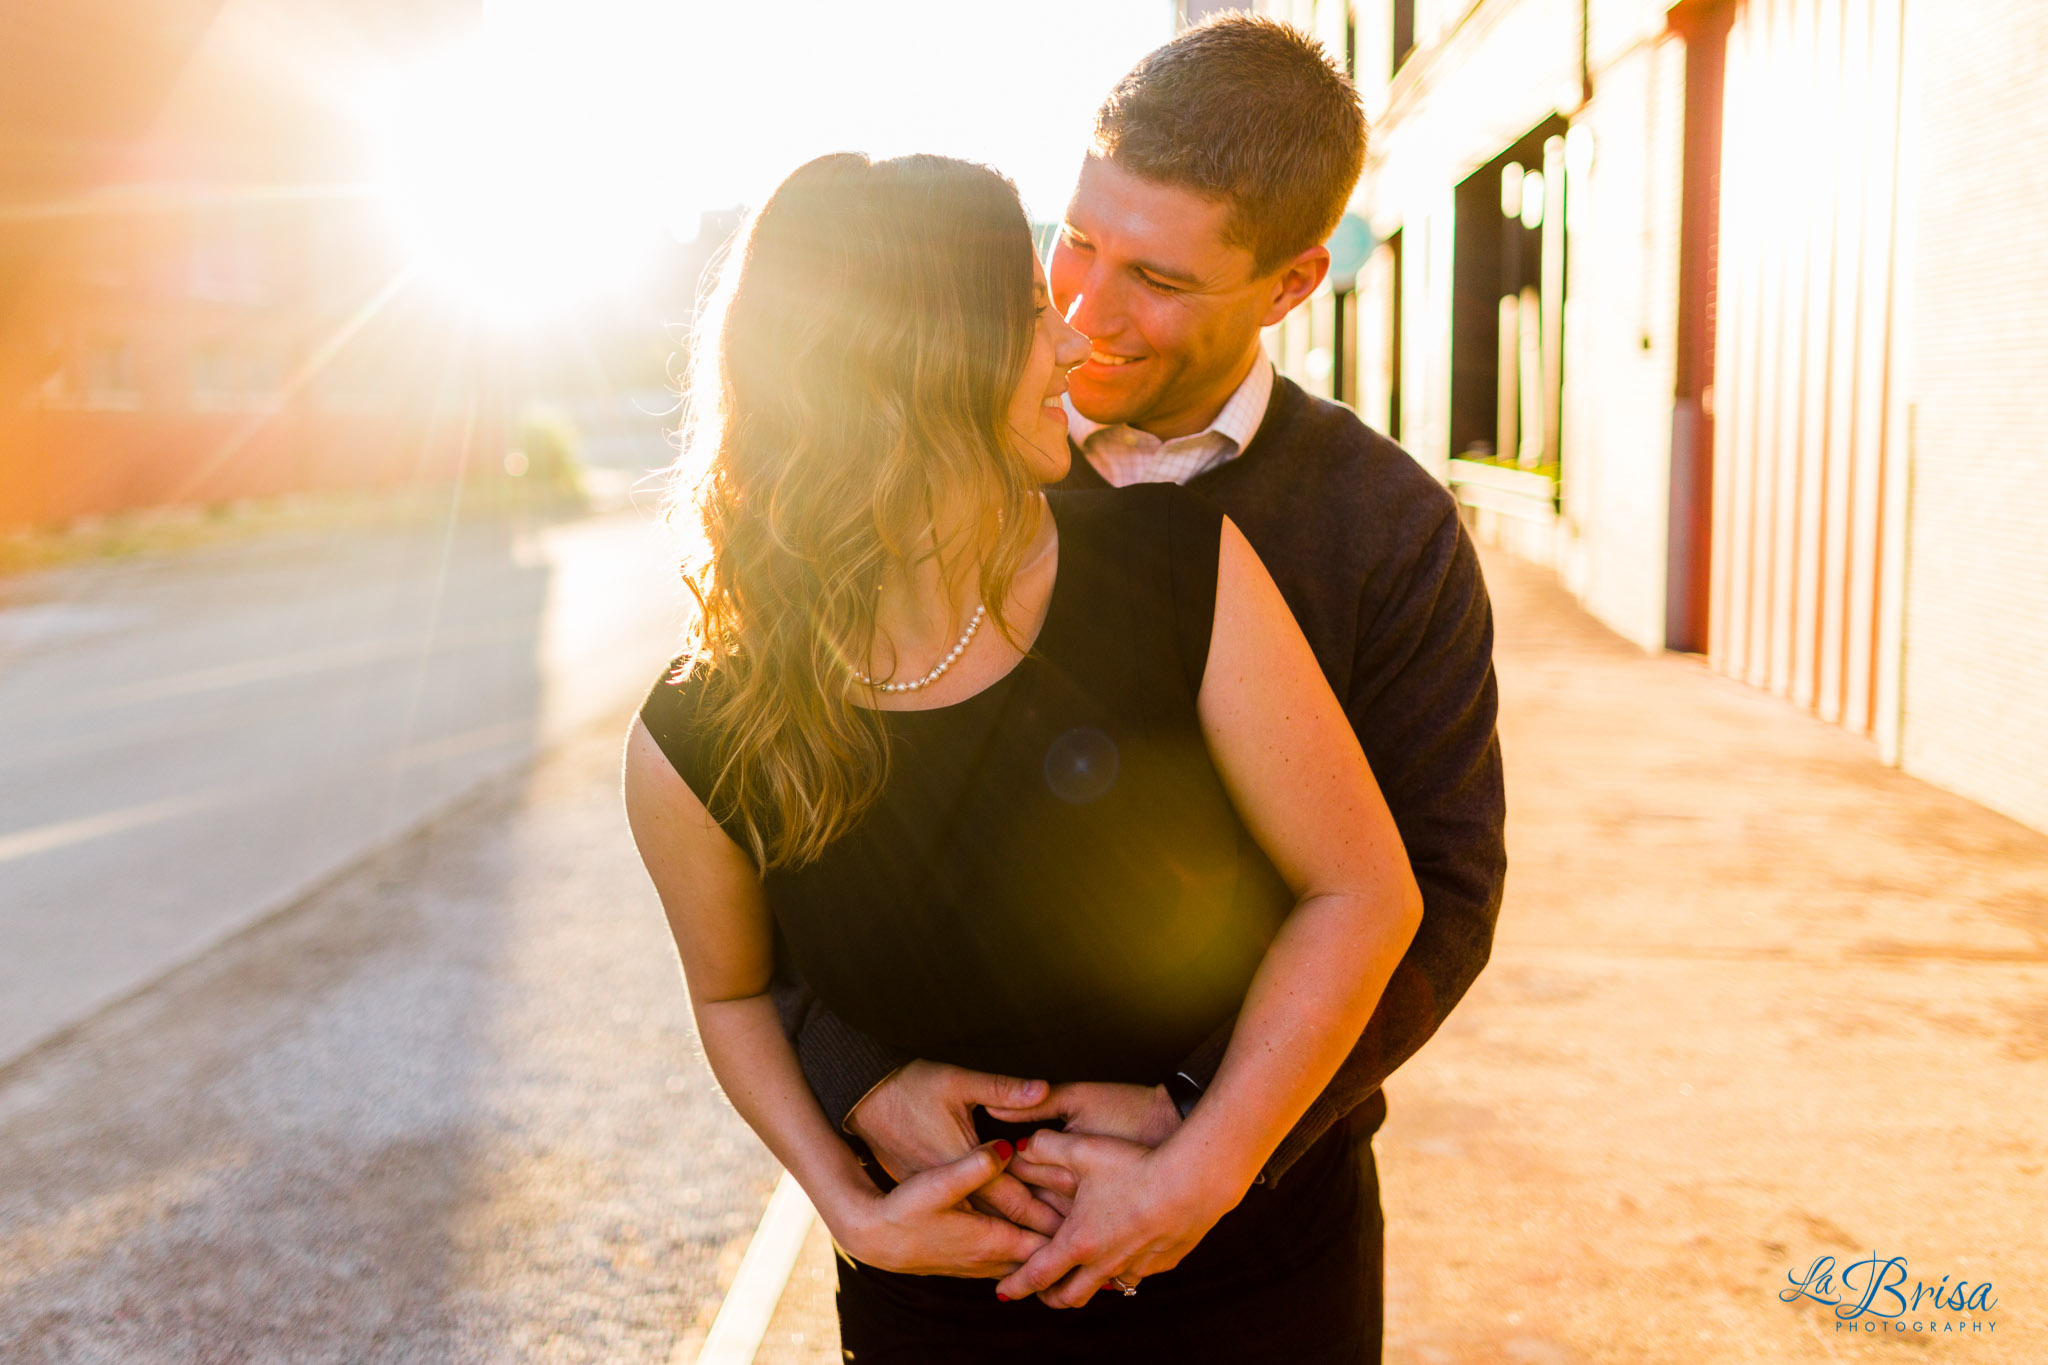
(853, 377)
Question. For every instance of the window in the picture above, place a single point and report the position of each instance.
(227, 263)
(262, 376)
(228, 378)
(107, 254)
(1508, 294)
(56, 385)
(110, 377)
(214, 387)
(358, 379)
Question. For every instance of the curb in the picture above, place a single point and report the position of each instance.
(749, 1306)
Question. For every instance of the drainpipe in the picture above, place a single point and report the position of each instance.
(1585, 54)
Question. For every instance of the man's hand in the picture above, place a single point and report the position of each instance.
(923, 1116)
(1136, 1113)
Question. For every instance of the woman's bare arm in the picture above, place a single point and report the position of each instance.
(1295, 773)
(720, 922)
(1293, 767)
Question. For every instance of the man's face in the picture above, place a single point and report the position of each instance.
(1171, 310)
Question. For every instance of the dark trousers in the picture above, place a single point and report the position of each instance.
(1290, 1275)
(1373, 1242)
(1364, 1122)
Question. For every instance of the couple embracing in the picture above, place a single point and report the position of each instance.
(1081, 790)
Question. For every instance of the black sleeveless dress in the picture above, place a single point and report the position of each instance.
(1054, 884)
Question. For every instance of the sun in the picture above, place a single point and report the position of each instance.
(521, 178)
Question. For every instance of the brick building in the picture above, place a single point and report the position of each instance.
(1729, 310)
(199, 299)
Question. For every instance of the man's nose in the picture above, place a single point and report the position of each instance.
(1093, 312)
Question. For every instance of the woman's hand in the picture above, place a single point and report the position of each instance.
(1143, 1114)
(924, 1227)
(1135, 1213)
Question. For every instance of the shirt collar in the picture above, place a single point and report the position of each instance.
(1238, 420)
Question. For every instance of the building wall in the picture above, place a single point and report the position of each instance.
(1805, 405)
(1375, 354)
(1480, 80)
(1304, 344)
(158, 358)
(1975, 694)
(186, 315)
(1620, 324)
(1466, 93)
(1880, 324)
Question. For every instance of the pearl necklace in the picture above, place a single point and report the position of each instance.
(938, 670)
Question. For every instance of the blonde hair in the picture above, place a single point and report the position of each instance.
(853, 376)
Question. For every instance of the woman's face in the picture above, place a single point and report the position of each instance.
(1036, 413)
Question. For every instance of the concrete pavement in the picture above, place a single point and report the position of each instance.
(1755, 1000)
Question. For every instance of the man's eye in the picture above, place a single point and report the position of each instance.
(1159, 286)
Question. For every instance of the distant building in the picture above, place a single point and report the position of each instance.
(1187, 13)
(197, 300)
(203, 298)
(1734, 312)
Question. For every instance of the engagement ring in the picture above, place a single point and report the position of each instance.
(1128, 1289)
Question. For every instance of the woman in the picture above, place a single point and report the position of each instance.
(1046, 784)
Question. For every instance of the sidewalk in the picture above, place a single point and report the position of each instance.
(1755, 1000)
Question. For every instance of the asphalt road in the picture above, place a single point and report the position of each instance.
(190, 742)
(448, 1108)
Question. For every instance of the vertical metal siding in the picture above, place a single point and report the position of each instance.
(1808, 152)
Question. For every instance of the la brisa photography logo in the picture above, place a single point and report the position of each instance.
(1879, 1294)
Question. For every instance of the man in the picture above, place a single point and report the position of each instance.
(1221, 164)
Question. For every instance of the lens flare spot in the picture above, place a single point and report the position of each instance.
(1082, 765)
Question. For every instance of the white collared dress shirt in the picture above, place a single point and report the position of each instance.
(1125, 455)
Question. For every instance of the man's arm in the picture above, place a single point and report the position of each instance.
(842, 1064)
(1423, 702)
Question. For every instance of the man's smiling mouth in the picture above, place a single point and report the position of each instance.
(1104, 358)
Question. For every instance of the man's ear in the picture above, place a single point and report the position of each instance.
(1296, 280)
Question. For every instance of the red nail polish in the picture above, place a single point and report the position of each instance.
(1023, 1142)
(1003, 1150)
(1001, 1296)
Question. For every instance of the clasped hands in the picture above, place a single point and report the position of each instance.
(1059, 1215)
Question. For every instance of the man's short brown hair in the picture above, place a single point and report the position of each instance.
(1246, 110)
